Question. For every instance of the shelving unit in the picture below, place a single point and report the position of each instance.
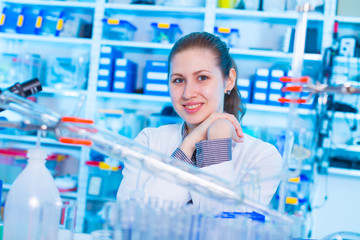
(205, 18)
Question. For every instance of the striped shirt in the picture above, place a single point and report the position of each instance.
(207, 152)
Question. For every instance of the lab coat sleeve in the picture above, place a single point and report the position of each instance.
(262, 175)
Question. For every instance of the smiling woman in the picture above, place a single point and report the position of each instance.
(203, 91)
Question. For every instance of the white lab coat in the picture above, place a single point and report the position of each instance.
(251, 160)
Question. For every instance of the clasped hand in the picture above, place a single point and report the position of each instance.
(216, 126)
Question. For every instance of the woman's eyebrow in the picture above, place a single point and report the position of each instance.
(199, 71)
(176, 74)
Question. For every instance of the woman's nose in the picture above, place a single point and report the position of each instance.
(190, 90)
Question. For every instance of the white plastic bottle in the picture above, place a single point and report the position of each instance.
(32, 207)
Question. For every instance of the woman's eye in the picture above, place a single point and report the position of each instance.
(178, 80)
(202, 78)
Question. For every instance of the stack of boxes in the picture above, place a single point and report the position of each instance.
(267, 88)
(116, 74)
(156, 78)
(261, 86)
(245, 88)
(106, 67)
(125, 75)
(275, 87)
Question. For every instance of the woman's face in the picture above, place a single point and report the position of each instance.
(196, 85)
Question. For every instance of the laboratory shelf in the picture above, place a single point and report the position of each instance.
(50, 39)
(344, 172)
(272, 54)
(345, 19)
(53, 91)
(53, 3)
(64, 92)
(342, 59)
(347, 148)
(134, 96)
(131, 44)
(154, 8)
(291, 15)
(33, 139)
(277, 109)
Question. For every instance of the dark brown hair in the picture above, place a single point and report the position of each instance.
(232, 102)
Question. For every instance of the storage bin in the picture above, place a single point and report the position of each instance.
(165, 32)
(155, 78)
(116, 29)
(50, 23)
(66, 73)
(229, 35)
(103, 180)
(125, 75)
(9, 19)
(9, 68)
(27, 20)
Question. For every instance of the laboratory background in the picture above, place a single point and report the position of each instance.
(103, 64)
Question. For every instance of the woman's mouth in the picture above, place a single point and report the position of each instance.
(191, 108)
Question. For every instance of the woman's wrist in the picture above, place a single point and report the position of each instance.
(187, 147)
(221, 128)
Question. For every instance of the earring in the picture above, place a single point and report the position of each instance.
(228, 92)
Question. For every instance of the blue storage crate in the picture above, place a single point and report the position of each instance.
(228, 35)
(50, 23)
(110, 52)
(116, 29)
(155, 78)
(156, 66)
(165, 32)
(275, 87)
(245, 89)
(9, 19)
(261, 86)
(27, 20)
(103, 180)
(105, 80)
(125, 75)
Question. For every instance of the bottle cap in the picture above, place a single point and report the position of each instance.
(37, 153)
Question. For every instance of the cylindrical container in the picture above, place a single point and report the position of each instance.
(32, 208)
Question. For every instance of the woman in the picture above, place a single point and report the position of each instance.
(203, 91)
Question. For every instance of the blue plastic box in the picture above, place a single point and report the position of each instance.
(106, 67)
(103, 182)
(261, 86)
(50, 23)
(275, 87)
(27, 20)
(125, 75)
(110, 52)
(155, 78)
(116, 29)
(165, 32)
(105, 80)
(9, 19)
(245, 89)
(229, 35)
